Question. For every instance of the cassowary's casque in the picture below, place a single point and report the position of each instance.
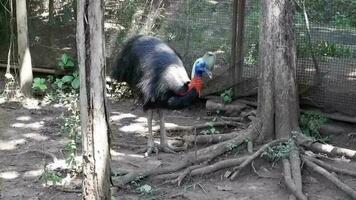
(155, 71)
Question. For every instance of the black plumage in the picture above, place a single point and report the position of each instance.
(155, 71)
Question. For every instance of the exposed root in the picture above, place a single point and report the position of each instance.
(208, 168)
(253, 156)
(204, 126)
(202, 155)
(186, 172)
(324, 148)
(332, 150)
(290, 183)
(295, 167)
(209, 139)
(330, 167)
(234, 108)
(342, 186)
(224, 118)
(260, 175)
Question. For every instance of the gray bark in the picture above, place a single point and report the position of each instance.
(24, 56)
(91, 59)
(277, 102)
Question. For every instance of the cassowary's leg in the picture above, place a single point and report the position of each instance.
(163, 139)
(150, 143)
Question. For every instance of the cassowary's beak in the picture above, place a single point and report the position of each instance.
(208, 72)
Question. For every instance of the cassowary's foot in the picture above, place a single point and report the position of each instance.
(156, 148)
(151, 148)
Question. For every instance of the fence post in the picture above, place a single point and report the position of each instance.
(238, 23)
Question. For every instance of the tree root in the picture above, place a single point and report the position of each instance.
(342, 186)
(209, 139)
(224, 118)
(186, 172)
(253, 156)
(204, 126)
(289, 181)
(207, 169)
(329, 149)
(202, 155)
(213, 105)
(295, 169)
(330, 167)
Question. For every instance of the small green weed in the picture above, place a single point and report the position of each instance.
(278, 152)
(310, 123)
(66, 62)
(39, 84)
(230, 146)
(227, 96)
(71, 81)
(49, 175)
(210, 130)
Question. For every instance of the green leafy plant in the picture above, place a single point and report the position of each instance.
(227, 96)
(68, 82)
(39, 84)
(49, 175)
(278, 152)
(310, 123)
(145, 189)
(210, 130)
(66, 62)
(71, 126)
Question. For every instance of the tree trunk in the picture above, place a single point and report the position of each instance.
(277, 103)
(24, 56)
(278, 107)
(51, 11)
(90, 46)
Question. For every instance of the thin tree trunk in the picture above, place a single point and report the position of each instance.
(51, 11)
(277, 102)
(90, 45)
(24, 56)
(278, 106)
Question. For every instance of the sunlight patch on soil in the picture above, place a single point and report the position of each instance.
(34, 125)
(122, 116)
(352, 76)
(121, 156)
(11, 144)
(33, 173)
(9, 175)
(35, 136)
(23, 118)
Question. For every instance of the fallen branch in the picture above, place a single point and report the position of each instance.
(253, 156)
(323, 148)
(330, 167)
(342, 186)
(289, 181)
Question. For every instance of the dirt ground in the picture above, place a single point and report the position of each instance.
(23, 129)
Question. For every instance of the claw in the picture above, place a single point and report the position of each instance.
(150, 150)
(166, 149)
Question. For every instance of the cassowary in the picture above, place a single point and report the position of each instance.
(155, 71)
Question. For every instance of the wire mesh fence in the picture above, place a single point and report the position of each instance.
(328, 81)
